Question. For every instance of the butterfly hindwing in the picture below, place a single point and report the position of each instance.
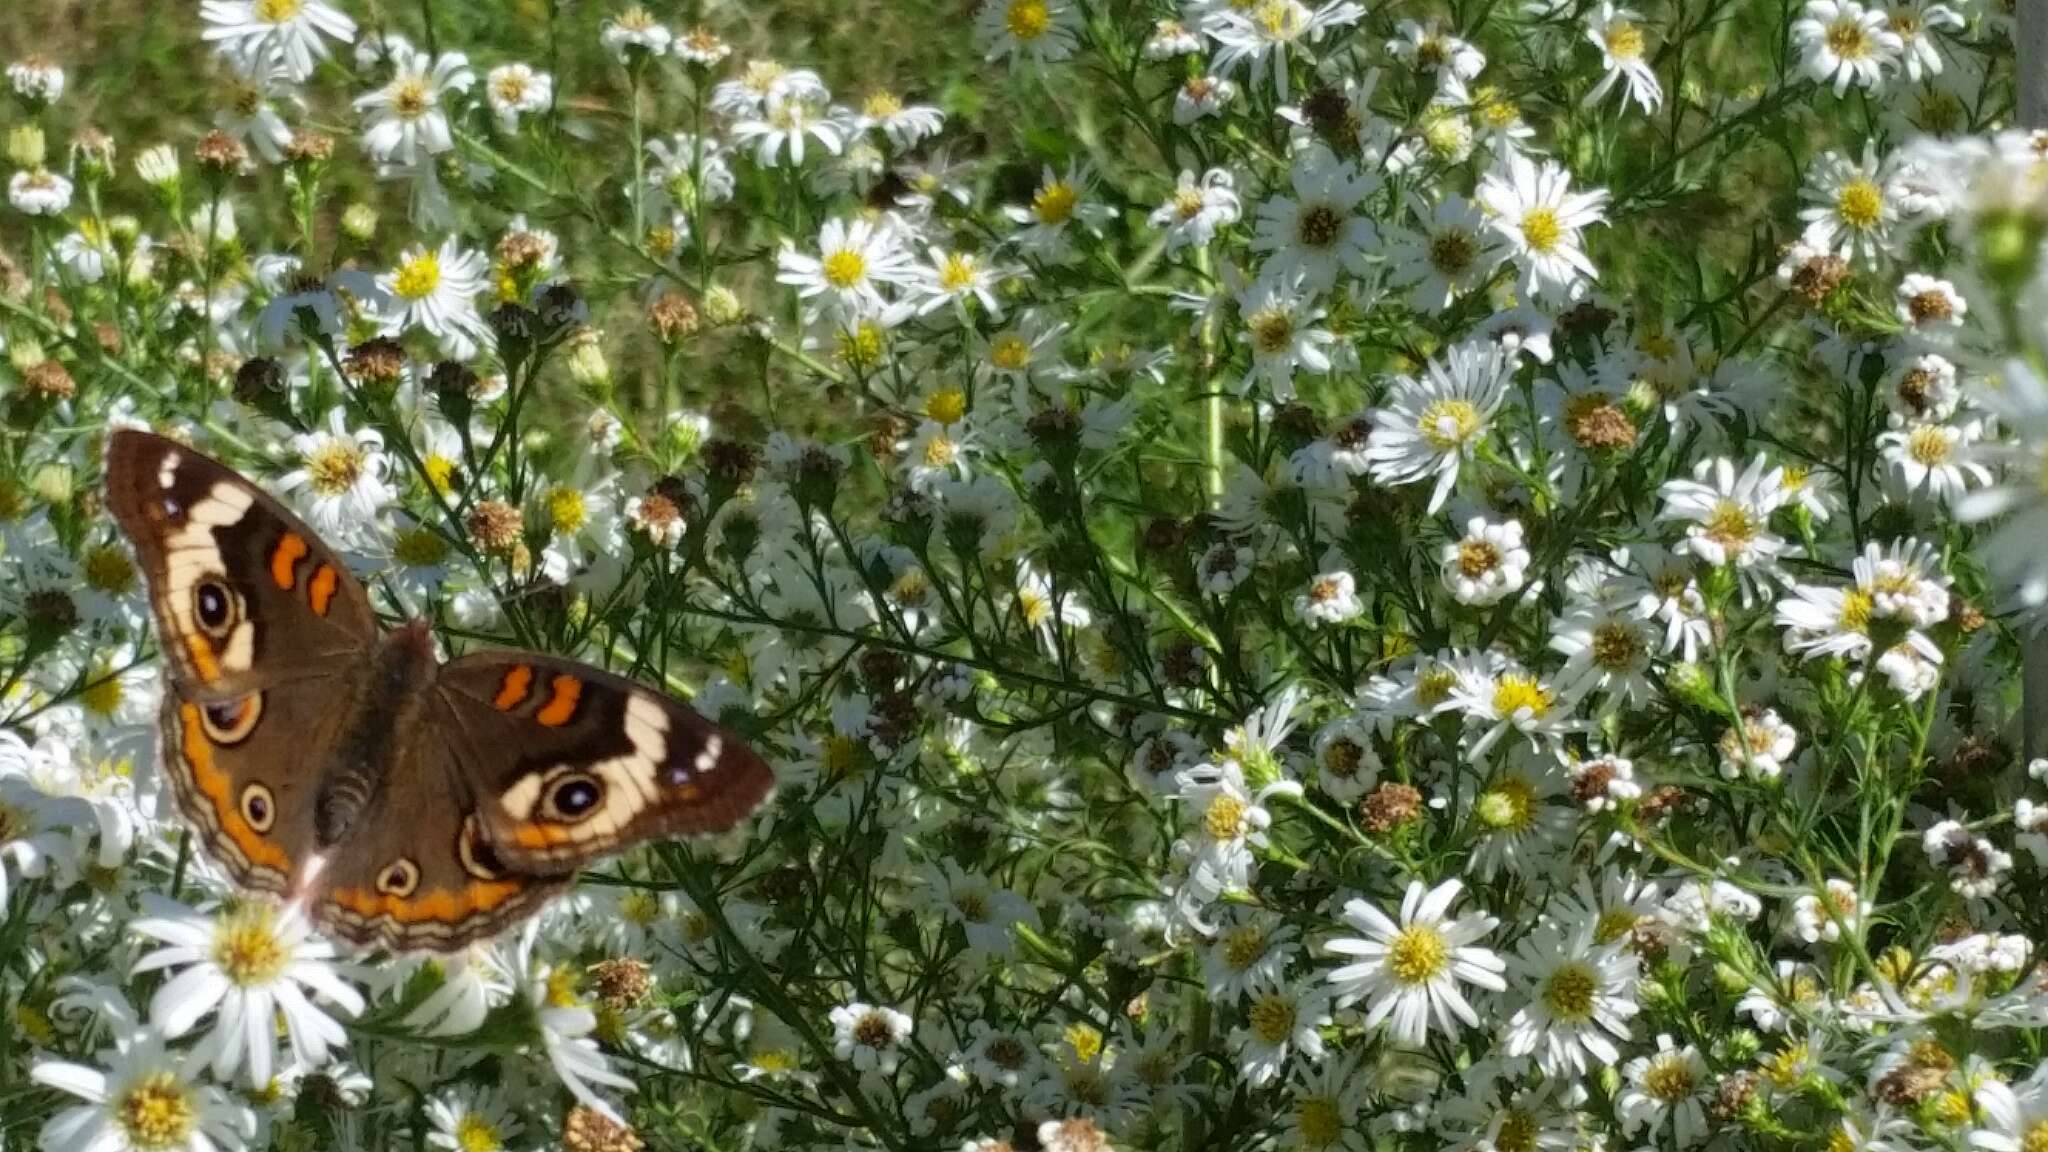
(418, 874)
(574, 763)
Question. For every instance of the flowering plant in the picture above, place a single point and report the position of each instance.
(1334, 578)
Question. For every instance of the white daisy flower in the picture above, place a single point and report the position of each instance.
(292, 32)
(1330, 598)
(1845, 44)
(1196, 209)
(1265, 33)
(1934, 460)
(635, 35)
(1281, 1022)
(1429, 427)
(1850, 209)
(1449, 252)
(515, 90)
(435, 290)
(1618, 34)
(148, 1099)
(1028, 33)
(1408, 972)
(1280, 327)
(1319, 230)
(869, 1036)
(1580, 997)
(250, 966)
(341, 482)
(1667, 1084)
(407, 122)
(1727, 517)
(1535, 211)
(1759, 747)
(1488, 565)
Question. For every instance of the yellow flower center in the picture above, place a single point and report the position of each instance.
(109, 569)
(1847, 40)
(247, 948)
(1243, 946)
(1027, 20)
(1319, 1120)
(946, 406)
(1517, 691)
(1731, 526)
(13, 823)
(1930, 446)
(1476, 558)
(1034, 606)
(845, 268)
(1624, 41)
(418, 277)
(156, 1112)
(1860, 204)
(1569, 993)
(1433, 686)
(419, 548)
(775, 1061)
(1055, 203)
(881, 104)
(940, 452)
(841, 756)
(640, 907)
(1272, 1018)
(1010, 352)
(410, 97)
(861, 346)
(103, 696)
(1541, 229)
(958, 271)
(1085, 1040)
(277, 11)
(1857, 607)
(1517, 1132)
(1279, 20)
(473, 1133)
(2036, 1139)
(1509, 806)
(567, 510)
(561, 988)
(1669, 1079)
(1418, 954)
(335, 466)
(1613, 924)
(1224, 819)
(1449, 424)
(1188, 202)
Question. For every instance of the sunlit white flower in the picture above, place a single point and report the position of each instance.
(148, 1099)
(635, 35)
(1196, 209)
(855, 261)
(869, 1036)
(1579, 994)
(1280, 326)
(292, 32)
(1281, 1022)
(1450, 251)
(787, 119)
(1429, 427)
(1843, 43)
(39, 192)
(1618, 34)
(1668, 1084)
(1759, 747)
(251, 967)
(1408, 972)
(1849, 210)
(340, 479)
(434, 290)
(407, 120)
(1487, 565)
(1535, 211)
(1815, 922)
(1265, 33)
(1727, 516)
(1321, 228)
(1935, 460)
(1202, 97)
(1330, 598)
(516, 90)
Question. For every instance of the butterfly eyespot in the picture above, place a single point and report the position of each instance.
(232, 722)
(399, 878)
(258, 807)
(476, 855)
(213, 605)
(572, 798)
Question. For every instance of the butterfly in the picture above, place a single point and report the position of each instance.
(401, 801)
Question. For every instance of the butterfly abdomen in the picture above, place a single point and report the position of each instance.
(382, 717)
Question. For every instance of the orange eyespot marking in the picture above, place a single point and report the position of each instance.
(214, 784)
(203, 662)
(441, 906)
(561, 707)
(284, 560)
(320, 590)
(512, 692)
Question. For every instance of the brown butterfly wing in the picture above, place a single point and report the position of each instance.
(416, 873)
(573, 763)
(243, 592)
(263, 631)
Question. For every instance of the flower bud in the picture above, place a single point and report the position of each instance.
(359, 222)
(25, 146)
